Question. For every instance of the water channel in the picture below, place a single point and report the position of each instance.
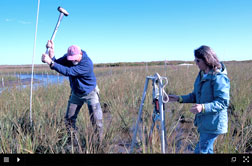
(24, 80)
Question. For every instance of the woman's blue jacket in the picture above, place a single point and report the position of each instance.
(213, 92)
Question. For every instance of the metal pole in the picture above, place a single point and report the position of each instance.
(34, 48)
(162, 116)
(139, 115)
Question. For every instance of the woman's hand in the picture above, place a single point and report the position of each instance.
(196, 108)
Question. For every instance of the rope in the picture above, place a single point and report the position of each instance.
(34, 48)
(165, 97)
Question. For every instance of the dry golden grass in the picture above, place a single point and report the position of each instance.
(121, 91)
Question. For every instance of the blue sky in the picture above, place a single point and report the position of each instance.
(127, 30)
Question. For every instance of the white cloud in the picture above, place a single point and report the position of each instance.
(8, 20)
(24, 22)
(20, 21)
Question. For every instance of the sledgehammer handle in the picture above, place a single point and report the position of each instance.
(62, 13)
(55, 30)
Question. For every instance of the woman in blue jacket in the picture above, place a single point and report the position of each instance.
(211, 98)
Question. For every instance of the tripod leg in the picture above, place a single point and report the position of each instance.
(164, 126)
(162, 120)
(154, 116)
(139, 116)
(152, 127)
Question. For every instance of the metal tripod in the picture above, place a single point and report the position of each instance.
(158, 112)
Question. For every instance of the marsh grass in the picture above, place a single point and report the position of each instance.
(121, 91)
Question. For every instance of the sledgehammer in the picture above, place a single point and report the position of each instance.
(62, 12)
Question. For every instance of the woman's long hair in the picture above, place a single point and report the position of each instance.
(208, 56)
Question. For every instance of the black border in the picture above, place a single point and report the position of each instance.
(126, 159)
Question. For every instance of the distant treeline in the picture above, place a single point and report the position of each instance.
(152, 63)
(156, 63)
(118, 64)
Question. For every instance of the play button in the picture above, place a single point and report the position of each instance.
(18, 159)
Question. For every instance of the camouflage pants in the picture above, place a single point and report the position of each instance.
(74, 105)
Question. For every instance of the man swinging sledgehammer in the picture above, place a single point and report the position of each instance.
(79, 68)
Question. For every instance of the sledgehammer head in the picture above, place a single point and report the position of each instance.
(61, 10)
